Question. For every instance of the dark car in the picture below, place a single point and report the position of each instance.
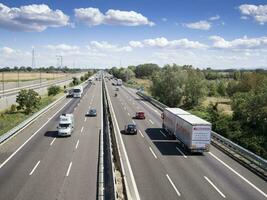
(140, 115)
(92, 112)
(130, 129)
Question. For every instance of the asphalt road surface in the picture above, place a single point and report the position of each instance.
(51, 167)
(162, 169)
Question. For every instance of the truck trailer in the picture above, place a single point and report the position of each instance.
(192, 131)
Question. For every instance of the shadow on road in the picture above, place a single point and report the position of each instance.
(51, 134)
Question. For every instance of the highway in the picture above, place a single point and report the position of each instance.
(36, 164)
(162, 169)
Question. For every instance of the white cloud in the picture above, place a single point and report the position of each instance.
(93, 16)
(162, 42)
(31, 18)
(240, 43)
(216, 17)
(7, 50)
(201, 25)
(259, 13)
(105, 46)
(62, 47)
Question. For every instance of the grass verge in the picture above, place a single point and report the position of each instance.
(9, 120)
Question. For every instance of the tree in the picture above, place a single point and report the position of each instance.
(212, 89)
(28, 100)
(53, 90)
(75, 81)
(194, 88)
(168, 85)
(146, 70)
(221, 89)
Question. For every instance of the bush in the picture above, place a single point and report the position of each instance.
(13, 108)
(53, 90)
(28, 100)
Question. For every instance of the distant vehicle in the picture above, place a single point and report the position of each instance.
(77, 91)
(130, 129)
(92, 112)
(117, 89)
(69, 93)
(66, 125)
(140, 115)
(116, 95)
(119, 82)
(191, 130)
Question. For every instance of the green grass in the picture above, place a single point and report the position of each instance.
(10, 120)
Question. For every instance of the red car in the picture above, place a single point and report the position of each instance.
(140, 115)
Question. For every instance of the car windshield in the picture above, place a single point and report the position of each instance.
(93, 111)
(131, 126)
(64, 125)
(76, 90)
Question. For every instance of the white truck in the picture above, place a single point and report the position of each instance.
(66, 125)
(119, 82)
(77, 91)
(192, 131)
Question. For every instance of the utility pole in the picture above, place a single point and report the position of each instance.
(18, 78)
(3, 83)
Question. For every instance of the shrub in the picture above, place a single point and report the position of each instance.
(53, 90)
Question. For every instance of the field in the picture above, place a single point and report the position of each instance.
(223, 104)
(28, 76)
(140, 83)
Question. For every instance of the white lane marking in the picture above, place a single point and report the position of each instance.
(34, 168)
(82, 130)
(77, 144)
(68, 171)
(15, 152)
(153, 152)
(141, 133)
(181, 152)
(53, 141)
(235, 172)
(151, 121)
(137, 197)
(174, 187)
(85, 119)
(163, 134)
(214, 186)
(133, 121)
(129, 114)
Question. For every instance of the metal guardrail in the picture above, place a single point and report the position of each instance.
(27, 121)
(253, 158)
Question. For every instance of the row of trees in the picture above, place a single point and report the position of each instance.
(50, 69)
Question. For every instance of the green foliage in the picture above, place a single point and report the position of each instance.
(75, 81)
(13, 108)
(168, 85)
(221, 89)
(146, 70)
(53, 90)
(122, 73)
(212, 88)
(82, 78)
(195, 88)
(28, 100)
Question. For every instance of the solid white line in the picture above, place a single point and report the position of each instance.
(53, 141)
(141, 133)
(153, 152)
(176, 190)
(214, 186)
(77, 144)
(82, 130)
(151, 121)
(181, 152)
(67, 174)
(235, 172)
(163, 133)
(14, 153)
(36, 165)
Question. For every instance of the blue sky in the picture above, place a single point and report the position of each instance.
(87, 33)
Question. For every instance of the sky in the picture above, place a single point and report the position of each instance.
(106, 33)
